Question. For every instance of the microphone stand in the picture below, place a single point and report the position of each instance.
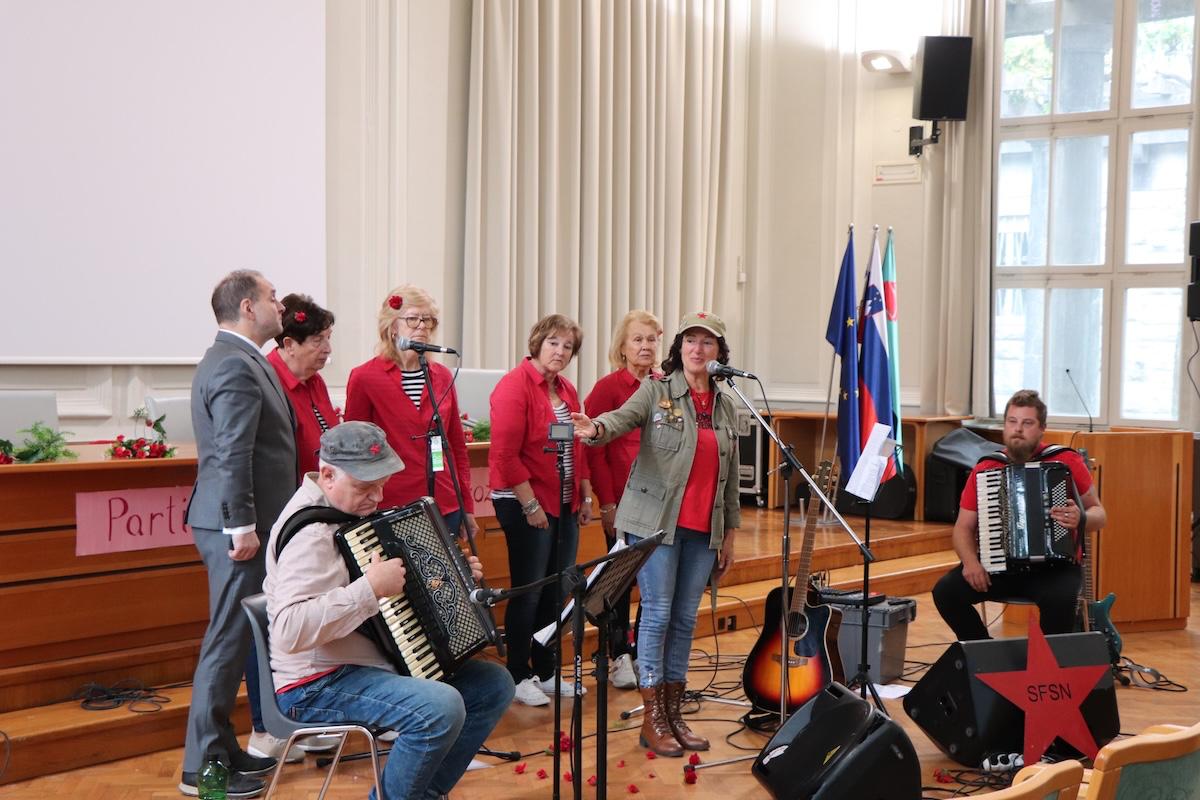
(789, 464)
(560, 450)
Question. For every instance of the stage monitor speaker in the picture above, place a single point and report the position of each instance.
(1193, 289)
(838, 746)
(941, 77)
(969, 720)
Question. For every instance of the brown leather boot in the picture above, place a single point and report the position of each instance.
(656, 731)
(674, 698)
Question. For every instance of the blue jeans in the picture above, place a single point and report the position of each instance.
(441, 724)
(671, 583)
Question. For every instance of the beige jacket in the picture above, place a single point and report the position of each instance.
(312, 605)
(654, 493)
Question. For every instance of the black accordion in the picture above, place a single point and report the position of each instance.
(432, 628)
(1016, 530)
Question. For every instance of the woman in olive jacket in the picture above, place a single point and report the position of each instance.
(684, 482)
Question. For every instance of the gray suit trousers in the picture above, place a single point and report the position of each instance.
(224, 649)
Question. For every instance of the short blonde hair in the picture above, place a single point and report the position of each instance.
(409, 296)
(551, 324)
(616, 354)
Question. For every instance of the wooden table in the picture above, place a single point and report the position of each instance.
(802, 430)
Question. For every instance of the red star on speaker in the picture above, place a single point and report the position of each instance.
(1050, 696)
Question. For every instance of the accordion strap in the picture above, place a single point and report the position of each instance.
(1044, 453)
(305, 517)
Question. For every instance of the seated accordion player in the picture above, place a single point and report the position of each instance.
(1016, 530)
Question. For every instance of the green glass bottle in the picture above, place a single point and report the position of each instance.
(213, 780)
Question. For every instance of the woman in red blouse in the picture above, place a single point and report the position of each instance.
(389, 390)
(633, 354)
(303, 349)
(526, 495)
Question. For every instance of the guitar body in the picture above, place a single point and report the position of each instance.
(810, 668)
(1100, 619)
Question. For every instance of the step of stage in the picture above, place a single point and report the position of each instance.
(63, 736)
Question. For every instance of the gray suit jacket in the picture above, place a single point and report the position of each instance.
(245, 436)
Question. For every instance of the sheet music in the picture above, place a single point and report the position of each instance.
(864, 481)
(544, 636)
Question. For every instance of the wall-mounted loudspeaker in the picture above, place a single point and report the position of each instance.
(838, 746)
(941, 76)
(1193, 289)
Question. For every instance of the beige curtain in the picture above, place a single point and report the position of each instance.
(597, 169)
(958, 234)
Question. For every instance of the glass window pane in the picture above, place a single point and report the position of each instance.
(1016, 343)
(1150, 353)
(1028, 58)
(1085, 60)
(1075, 344)
(1022, 196)
(1080, 194)
(1162, 56)
(1158, 171)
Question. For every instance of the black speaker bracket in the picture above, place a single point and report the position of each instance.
(916, 140)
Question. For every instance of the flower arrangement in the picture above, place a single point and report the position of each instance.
(476, 430)
(44, 444)
(144, 447)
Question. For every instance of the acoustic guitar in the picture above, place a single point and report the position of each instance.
(812, 631)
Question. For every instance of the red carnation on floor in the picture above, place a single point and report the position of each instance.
(564, 743)
(621, 763)
(568, 777)
(689, 774)
(650, 754)
(694, 759)
(591, 780)
(632, 788)
(541, 773)
(519, 768)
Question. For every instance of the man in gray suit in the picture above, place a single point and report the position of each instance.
(247, 471)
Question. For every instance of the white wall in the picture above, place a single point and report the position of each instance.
(815, 124)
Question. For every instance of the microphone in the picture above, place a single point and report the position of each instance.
(486, 597)
(719, 370)
(405, 343)
(1079, 394)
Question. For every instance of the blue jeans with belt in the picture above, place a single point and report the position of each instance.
(671, 583)
(441, 724)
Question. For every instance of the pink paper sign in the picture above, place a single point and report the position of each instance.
(131, 519)
(481, 492)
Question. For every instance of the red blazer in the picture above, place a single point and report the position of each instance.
(610, 463)
(521, 418)
(375, 394)
(303, 396)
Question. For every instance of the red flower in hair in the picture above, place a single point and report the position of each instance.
(395, 301)
(300, 317)
(374, 449)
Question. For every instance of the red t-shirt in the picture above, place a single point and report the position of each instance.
(375, 393)
(303, 395)
(611, 463)
(1079, 473)
(700, 493)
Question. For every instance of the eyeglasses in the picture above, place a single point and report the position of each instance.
(415, 322)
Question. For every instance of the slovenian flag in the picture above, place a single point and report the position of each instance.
(893, 341)
(875, 383)
(842, 333)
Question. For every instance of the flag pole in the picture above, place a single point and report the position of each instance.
(826, 517)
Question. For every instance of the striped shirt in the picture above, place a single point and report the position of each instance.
(413, 383)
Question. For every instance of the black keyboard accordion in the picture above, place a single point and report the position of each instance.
(432, 628)
(1016, 530)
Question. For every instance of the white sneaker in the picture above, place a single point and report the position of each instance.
(318, 744)
(621, 674)
(529, 693)
(264, 745)
(568, 687)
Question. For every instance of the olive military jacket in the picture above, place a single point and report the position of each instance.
(663, 410)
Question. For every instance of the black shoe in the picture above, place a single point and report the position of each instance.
(239, 785)
(247, 764)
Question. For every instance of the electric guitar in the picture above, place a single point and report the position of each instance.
(1098, 616)
(812, 631)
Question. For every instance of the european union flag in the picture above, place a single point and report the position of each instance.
(842, 333)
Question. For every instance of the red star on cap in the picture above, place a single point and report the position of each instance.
(374, 449)
(1050, 696)
(702, 315)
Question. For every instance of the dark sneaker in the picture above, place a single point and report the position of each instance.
(251, 765)
(239, 785)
